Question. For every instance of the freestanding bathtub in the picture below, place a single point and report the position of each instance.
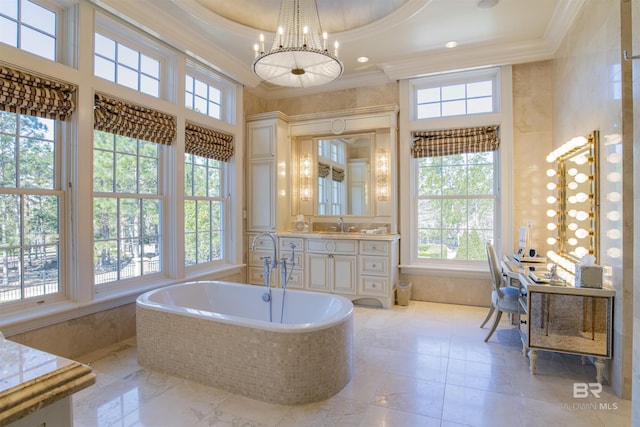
(219, 334)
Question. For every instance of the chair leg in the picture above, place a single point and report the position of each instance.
(489, 314)
(495, 325)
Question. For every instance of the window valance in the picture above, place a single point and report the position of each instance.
(337, 174)
(448, 142)
(323, 170)
(24, 93)
(122, 118)
(208, 143)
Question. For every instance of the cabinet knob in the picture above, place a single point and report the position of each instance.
(373, 265)
(373, 286)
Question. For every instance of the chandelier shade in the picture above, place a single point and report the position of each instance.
(299, 56)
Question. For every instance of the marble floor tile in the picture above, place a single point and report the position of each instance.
(424, 365)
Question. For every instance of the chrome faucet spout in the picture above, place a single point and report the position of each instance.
(269, 262)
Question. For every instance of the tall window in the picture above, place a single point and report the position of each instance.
(127, 207)
(455, 205)
(455, 167)
(204, 209)
(30, 207)
(119, 63)
(28, 26)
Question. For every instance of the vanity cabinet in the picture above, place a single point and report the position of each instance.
(375, 268)
(332, 265)
(268, 160)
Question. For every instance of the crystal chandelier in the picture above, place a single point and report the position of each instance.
(299, 56)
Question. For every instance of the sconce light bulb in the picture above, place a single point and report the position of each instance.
(613, 216)
(551, 226)
(573, 185)
(551, 213)
(572, 199)
(573, 226)
(551, 200)
(551, 241)
(552, 186)
(572, 171)
(614, 196)
(613, 252)
(551, 172)
(614, 177)
(614, 158)
(580, 251)
(572, 241)
(613, 234)
(582, 197)
(581, 159)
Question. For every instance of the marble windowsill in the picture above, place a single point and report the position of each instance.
(31, 379)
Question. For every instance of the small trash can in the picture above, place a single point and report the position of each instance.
(403, 293)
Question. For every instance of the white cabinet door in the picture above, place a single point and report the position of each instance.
(344, 274)
(318, 272)
(261, 198)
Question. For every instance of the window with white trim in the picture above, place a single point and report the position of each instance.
(204, 208)
(209, 93)
(455, 197)
(31, 207)
(29, 26)
(127, 207)
(119, 63)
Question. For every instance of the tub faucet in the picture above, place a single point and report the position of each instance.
(269, 262)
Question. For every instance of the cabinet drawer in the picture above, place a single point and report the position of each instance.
(297, 280)
(374, 265)
(285, 243)
(256, 276)
(332, 246)
(256, 259)
(262, 243)
(371, 285)
(374, 247)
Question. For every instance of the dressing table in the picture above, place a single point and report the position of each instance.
(562, 318)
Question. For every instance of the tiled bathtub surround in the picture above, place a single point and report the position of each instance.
(290, 366)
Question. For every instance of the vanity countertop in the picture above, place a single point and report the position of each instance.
(338, 235)
(31, 379)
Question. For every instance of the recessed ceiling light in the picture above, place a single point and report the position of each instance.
(486, 4)
(451, 44)
(362, 59)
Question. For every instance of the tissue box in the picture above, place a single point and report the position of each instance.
(588, 276)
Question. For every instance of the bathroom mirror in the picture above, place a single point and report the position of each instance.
(343, 175)
(578, 198)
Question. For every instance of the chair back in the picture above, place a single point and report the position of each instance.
(494, 268)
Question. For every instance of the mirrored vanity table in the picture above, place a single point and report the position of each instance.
(563, 318)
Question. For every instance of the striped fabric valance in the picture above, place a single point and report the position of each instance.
(337, 174)
(24, 93)
(208, 143)
(323, 170)
(448, 142)
(119, 117)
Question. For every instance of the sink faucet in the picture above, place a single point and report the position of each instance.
(268, 263)
(341, 224)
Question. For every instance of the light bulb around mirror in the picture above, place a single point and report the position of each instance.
(551, 213)
(573, 185)
(572, 213)
(582, 197)
(582, 215)
(572, 200)
(572, 171)
(581, 233)
(573, 226)
(572, 241)
(581, 159)
(552, 226)
(551, 172)
(581, 178)
(551, 241)
(552, 200)
(580, 251)
(552, 186)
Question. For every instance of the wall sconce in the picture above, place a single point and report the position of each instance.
(305, 177)
(382, 174)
